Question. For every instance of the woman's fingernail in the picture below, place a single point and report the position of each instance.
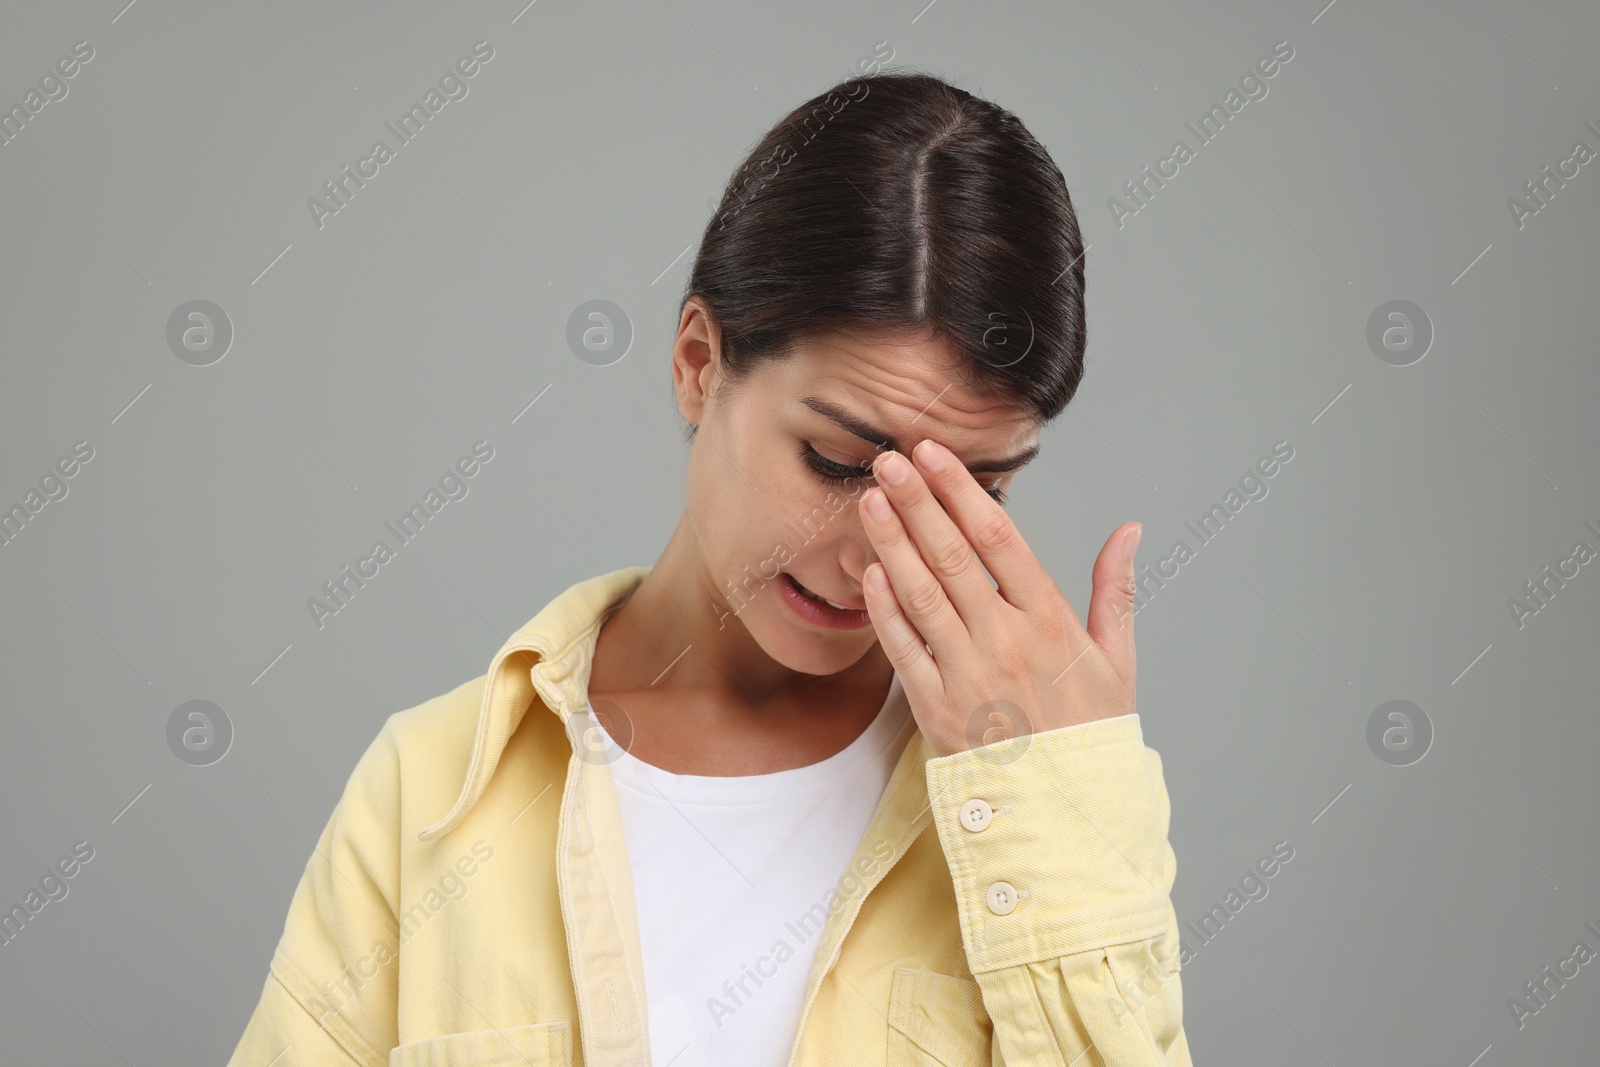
(877, 578)
(1130, 544)
(892, 468)
(878, 504)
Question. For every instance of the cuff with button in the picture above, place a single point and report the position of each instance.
(1056, 841)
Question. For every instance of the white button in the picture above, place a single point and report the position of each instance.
(1002, 898)
(976, 815)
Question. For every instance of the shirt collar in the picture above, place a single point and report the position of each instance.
(549, 656)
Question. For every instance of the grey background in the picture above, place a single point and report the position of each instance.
(1227, 315)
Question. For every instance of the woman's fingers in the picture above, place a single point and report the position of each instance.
(987, 531)
(1111, 604)
(901, 642)
(918, 591)
(944, 548)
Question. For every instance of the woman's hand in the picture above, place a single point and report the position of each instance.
(979, 664)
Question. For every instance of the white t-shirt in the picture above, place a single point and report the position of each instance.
(732, 879)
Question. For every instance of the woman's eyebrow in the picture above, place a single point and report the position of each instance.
(879, 439)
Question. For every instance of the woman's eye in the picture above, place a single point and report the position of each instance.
(838, 473)
(831, 470)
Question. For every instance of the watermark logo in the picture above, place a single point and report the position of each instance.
(1540, 991)
(199, 733)
(1253, 486)
(1399, 333)
(1252, 86)
(199, 333)
(1399, 733)
(1129, 998)
(743, 588)
(453, 85)
(604, 733)
(52, 487)
(599, 332)
(1252, 888)
(52, 87)
(999, 732)
(452, 486)
(750, 180)
(1007, 338)
(1543, 189)
(451, 887)
(798, 932)
(1542, 589)
(52, 887)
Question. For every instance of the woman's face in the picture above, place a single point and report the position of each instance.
(771, 485)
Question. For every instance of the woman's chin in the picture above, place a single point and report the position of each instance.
(812, 651)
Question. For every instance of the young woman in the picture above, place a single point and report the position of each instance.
(842, 778)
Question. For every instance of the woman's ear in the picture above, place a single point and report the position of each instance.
(696, 359)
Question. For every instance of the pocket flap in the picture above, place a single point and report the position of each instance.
(536, 1045)
(942, 1015)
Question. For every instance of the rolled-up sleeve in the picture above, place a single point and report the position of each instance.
(1057, 847)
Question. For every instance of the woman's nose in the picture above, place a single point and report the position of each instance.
(855, 557)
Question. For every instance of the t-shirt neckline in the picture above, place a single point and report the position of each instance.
(633, 773)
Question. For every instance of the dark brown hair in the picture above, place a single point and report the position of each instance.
(899, 202)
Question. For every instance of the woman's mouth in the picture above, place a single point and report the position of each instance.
(820, 610)
(825, 600)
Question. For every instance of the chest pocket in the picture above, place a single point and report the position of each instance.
(937, 1020)
(538, 1045)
